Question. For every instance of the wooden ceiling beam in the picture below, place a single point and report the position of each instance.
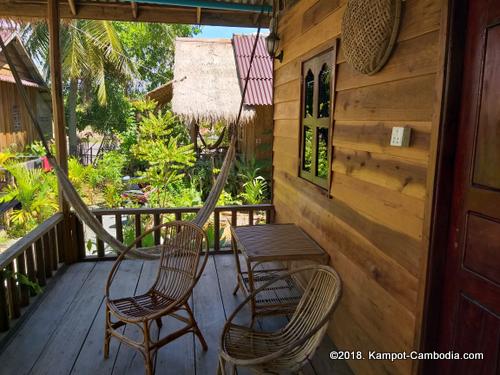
(118, 11)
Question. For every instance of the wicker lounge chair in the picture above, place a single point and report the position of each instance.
(289, 348)
(180, 267)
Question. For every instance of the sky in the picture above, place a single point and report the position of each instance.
(226, 32)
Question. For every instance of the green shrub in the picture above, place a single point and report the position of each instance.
(36, 192)
(129, 233)
(166, 158)
(254, 191)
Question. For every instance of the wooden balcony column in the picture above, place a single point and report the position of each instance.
(58, 121)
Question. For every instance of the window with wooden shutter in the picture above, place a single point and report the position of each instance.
(316, 118)
(16, 118)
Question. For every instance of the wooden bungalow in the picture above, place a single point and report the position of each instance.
(208, 84)
(256, 140)
(16, 128)
(386, 154)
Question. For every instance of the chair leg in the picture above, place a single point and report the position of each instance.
(252, 322)
(196, 330)
(147, 352)
(107, 334)
(236, 288)
(159, 323)
(221, 367)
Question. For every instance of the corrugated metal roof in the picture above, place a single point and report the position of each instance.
(260, 84)
(7, 28)
(25, 82)
(11, 39)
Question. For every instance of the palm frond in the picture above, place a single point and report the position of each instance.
(74, 56)
(101, 85)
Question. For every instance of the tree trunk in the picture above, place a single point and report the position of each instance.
(193, 132)
(72, 97)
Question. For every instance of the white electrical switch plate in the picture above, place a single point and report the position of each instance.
(400, 136)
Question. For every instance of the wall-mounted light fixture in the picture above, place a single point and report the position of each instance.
(273, 40)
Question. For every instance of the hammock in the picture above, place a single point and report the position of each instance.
(81, 209)
(217, 142)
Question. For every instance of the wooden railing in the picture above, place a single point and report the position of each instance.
(26, 266)
(129, 223)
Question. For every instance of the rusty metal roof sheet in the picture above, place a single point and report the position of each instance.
(260, 85)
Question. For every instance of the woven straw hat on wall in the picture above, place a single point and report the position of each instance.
(369, 31)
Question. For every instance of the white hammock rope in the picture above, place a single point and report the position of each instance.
(81, 209)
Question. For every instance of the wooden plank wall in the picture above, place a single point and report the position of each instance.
(263, 133)
(9, 96)
(257, 136)
(372, 225)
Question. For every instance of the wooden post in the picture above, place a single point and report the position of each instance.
(4, 307)
(30, 268)
(13, 294)
(58, 118)
(138, 228)
(157, 234)
(40, 263)
(24, 290)
(100, 243)
(47, 255)
(78, 237)
(119, 227)
(216, 230)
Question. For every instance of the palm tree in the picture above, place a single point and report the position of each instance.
(90, 51)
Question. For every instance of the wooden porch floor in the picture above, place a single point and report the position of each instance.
(64, 334)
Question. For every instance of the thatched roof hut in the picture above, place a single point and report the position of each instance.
(162, 94)
(206, 86)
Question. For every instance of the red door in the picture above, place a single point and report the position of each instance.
(471, 301)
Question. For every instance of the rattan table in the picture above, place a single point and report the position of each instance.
(265, 248)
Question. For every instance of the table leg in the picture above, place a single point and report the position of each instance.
(239, 275)
(251, 288)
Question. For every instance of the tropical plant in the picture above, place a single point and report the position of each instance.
(77, 174)
(159, 147)
(102, 182)
(36, 192)
(177, 194)
(91, 51)
(254, 185)
(248, 169)
(254, 191)
(129, 234)
(226, 199)
(202, 175)
(5, 157)
(36, 148)
(21, 279)
(108, 169)
(112, 195)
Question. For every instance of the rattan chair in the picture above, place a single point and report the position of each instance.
(287, 349)
(181, 264)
